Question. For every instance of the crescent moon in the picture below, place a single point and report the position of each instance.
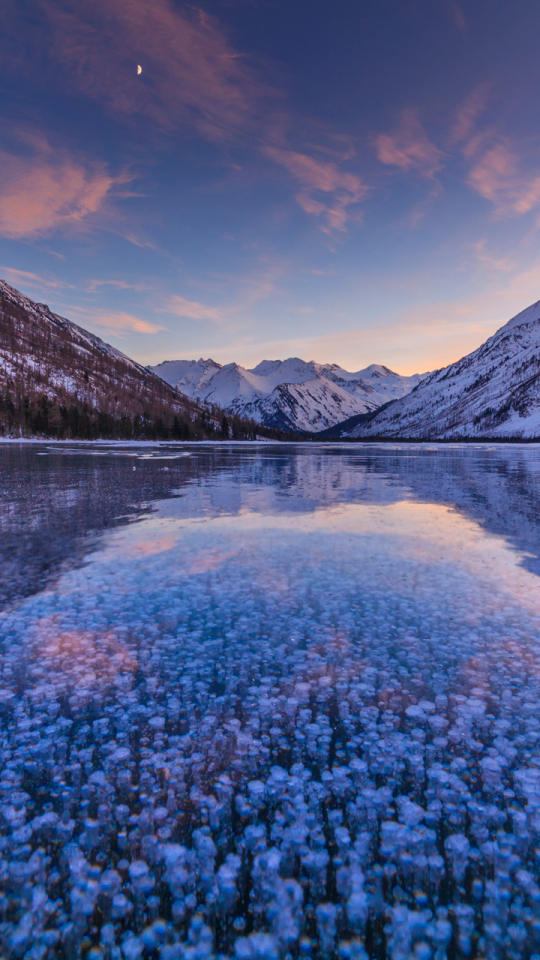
(139, 69)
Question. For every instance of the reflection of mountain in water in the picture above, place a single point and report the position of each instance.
(499, 488)
(54, 506)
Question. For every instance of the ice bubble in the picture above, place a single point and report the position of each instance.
(132, 948)
(326, 914)
(157, 722)
(121, 906)
(258, 946)
(357, 906)
(415, 712)
(457, 846)
(281, 795)
(409, 812)
(352, 950)
(465, 918)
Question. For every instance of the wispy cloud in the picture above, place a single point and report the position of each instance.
(94, 285)
(119, 322)
(422, 337)
(327, 191)
(408, 147)
(454, 13)
(190, 71)
(192, 309)
(498, 176)
(45, 189)
(116, 322)
(458, 17)
(15, 276)
(488, 260)
(499, 168)
(192, 78)
(468, 112)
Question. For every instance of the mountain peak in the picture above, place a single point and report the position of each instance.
(492, 392)
(530, 314)
(293, 393)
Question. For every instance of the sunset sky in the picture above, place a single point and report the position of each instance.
(353, 181)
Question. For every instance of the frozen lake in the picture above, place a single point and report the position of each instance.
(267, 702)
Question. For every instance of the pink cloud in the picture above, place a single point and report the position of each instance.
(31, 279)
(458, 18)
(497, 171)
(49, 190)
(409, 147)
(115, 321)
(190, 71)
(339, 188)
(468, 113)
(498, 176)
(119, 322)
(528, 197)
(493, 263)
(192, 309)
(192, 76)
(493, 173)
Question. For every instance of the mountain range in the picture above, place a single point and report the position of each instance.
(288, 394)
(57, 379)
(493, 392)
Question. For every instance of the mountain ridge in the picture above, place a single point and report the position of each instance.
(59, 380)
(293, 394)
(493, 392)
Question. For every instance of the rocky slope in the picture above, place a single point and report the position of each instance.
(492, 392)
(58, 379)
(291, 394)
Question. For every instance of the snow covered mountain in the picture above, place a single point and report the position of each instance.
(292, 394)
(58, 379)
(492, 392)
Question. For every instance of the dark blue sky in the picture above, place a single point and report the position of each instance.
(350, 182)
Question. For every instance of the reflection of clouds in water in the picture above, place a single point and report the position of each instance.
(78, 663)
(426, 552)
(148, 548)
(205, 560)
(150, 540)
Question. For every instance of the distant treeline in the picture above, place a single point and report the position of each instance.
(40, 416)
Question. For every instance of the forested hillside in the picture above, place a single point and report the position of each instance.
(60, 381)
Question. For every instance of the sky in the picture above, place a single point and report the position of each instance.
(352, 182)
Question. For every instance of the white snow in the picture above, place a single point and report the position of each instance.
(306, 396)
(46, 317)
(492, 392)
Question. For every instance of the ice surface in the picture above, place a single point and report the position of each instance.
(243, 731)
